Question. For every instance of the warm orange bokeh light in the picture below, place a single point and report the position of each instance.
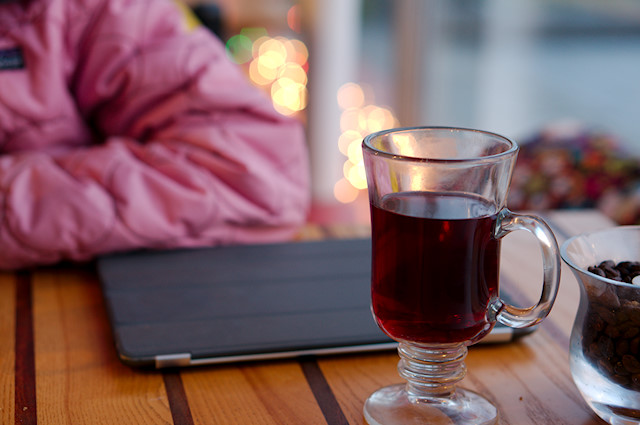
(293, 18)
(357, 120)
(350, 95)
(277, 64)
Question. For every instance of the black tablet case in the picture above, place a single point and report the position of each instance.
(246, 302)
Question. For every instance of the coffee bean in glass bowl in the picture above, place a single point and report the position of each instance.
(605, 339)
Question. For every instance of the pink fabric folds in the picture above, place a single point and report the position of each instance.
(123, 129)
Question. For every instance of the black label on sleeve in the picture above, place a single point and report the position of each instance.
(11, 59)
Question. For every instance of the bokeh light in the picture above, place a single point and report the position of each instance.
(239, 48)
(350, 95)
(277, 64)
(294, 20)
(280, 66)
(356, 121)
(345, 192)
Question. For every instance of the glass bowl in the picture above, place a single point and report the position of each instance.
(605, 339)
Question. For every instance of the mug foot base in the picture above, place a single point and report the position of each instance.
(393, 405)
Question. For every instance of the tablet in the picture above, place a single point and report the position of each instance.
(247, 302)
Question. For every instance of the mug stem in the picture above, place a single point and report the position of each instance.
(432, 370)
(430, 394)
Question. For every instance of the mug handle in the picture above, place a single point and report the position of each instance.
(515, 317)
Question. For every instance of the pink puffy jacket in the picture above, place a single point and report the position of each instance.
(121, 129)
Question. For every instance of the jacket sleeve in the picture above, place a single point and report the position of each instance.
(189, 153)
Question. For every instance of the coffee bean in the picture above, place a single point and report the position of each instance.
(597, 270)
(612, 331)
(624, 271)
(611, 327)
(631, 332)
(622, 347)
(606, 347)
(631, 364)
(635, 380)
(620, 369)
(605, 367)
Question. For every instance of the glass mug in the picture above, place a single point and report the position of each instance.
(437, 198)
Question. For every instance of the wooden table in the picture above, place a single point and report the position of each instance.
(58, 364)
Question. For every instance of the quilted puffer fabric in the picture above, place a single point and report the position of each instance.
(121, 129)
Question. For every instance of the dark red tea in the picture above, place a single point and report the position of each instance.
(435, 266)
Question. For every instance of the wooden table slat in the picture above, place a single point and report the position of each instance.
(78, 378)
(25, 375)
(7, 346)
(269, 393)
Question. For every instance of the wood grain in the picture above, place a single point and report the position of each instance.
(79, 378)
(353, 378)
(7, 346)
(252, 393)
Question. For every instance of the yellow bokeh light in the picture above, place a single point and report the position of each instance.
(297, 51)
(357, 119)
(279, 65)
(357, 176)
(379, 119)
(346, 168)
(354, 153)
(350, 95)
(353, 119)
(294, 72)
(267, 73)
(289, 94)
(270, 62)
(259, 42)
(346, 139)
(344, 191)
(275, 49)
(256, 75)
